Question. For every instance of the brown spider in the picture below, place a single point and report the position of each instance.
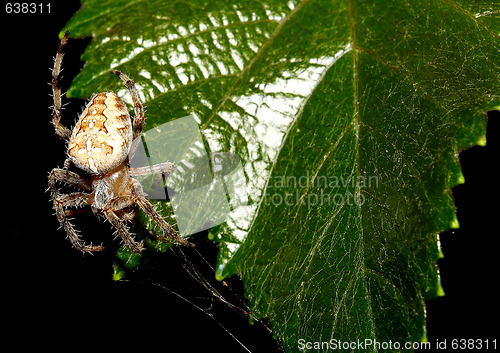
(98, 150)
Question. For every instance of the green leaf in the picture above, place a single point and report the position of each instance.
(125, 260)
(347, 116)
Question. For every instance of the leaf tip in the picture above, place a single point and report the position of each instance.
(440, 290)
(62, 32)
(218, 274)
(118, 272)
(454, 223)
(482, 141)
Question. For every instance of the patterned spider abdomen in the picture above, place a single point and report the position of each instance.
(102, 136)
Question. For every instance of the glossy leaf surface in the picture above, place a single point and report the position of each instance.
(347, 117)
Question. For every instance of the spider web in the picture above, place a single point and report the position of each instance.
(183, 273)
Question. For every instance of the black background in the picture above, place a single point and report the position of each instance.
(58, 298)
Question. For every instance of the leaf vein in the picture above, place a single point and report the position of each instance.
(254, 59)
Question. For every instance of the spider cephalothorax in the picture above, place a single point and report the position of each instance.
(98, 150)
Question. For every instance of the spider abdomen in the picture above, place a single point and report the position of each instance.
(102, 136)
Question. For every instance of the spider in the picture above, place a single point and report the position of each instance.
(98, 150)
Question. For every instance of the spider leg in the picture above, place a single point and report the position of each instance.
(164, 168)
(127, 215)
(76, 212)
(69, 177)
(62, 131)
(138, 108)
(169, 233)
(123, 230)
(76, 199)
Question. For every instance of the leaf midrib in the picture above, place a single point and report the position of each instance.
(358, 187)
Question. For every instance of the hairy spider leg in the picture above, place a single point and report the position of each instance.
(77, 212)
(123, 231)
(169, 234)
(138, 125)
(62, 131)
(68, 177)
(76, 199)
(164, 168)
(139, 117)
